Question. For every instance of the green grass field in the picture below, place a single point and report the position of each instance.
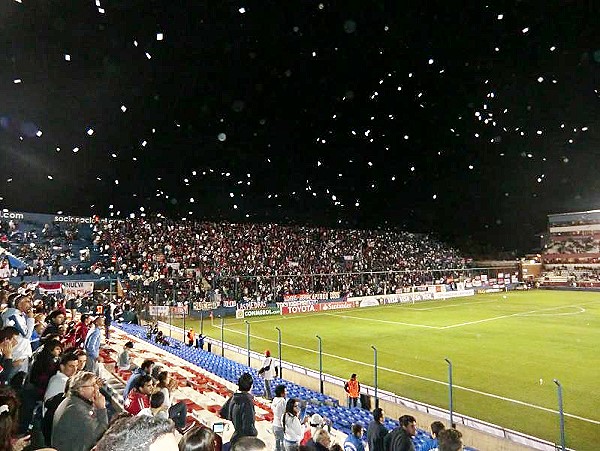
(506, 349)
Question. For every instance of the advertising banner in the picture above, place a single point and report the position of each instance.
(179, 311)
(159, 310)
(308, 308)
(454, 294)
(304, 296)
(340, 305)
(74, 289)
(268, 311)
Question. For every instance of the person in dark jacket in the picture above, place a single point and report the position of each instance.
(400, 439)
(144, 370)
(376, 431)
(239, 409)
(54, 320)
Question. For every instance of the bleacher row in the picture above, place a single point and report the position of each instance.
(206, 380)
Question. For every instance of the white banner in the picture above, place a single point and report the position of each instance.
(74, 289)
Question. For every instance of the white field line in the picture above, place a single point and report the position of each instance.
(453, 305)
(512, 315)
(423, 378)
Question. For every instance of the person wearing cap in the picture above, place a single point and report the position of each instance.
(124, 361)
(92, 345)
(267, 371)
(354, 440)
(316, 422)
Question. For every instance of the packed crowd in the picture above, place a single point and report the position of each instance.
(46, 249)
(266, 261)
(51, 395)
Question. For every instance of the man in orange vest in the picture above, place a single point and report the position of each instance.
(191, 337)
(352, 387)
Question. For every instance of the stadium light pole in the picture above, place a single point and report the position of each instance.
(279, 351)
(248, 340)
(450, 391)
(375, 371)
(320, 363)
(222, 331)
(201, 322)
(561, 414)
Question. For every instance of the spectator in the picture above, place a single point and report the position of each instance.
(321, 440)
(68, 367)
(376, 431)
(81, 359)
(249, 444)
(354, 440)
(9, 411)
(8, 341)
(352, 388)
(157, 407)
(144, 370)
(450, 440)
(139, 433)
(316, 422)
(432, 443)
(45, 365)
(177, 410)
(92, 345)
(292, 428)
(21, 319)
(54, 320)
(139, 396)
(239, 409)
(81, 417)
(124, 361)
(198, 439)
(267, 371)
(82, 329)
(278, 408)
(400, 439)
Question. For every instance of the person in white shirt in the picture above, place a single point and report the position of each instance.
(56, 384)
(267, 371)
(21, 318)
(278, 408)
(292, 428)
(157, 407)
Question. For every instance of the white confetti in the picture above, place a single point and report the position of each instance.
(242, 10)
(90, 131)
(222, 137)
(16, 81)
(525, 30)
(75, 149)
(160, 36)
(540, 79)
(500, 16)
(148, 56)
(67, 57)
(38, 133)
(123, 108)
(49, 177)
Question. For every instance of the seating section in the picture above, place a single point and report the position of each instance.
(208, 387)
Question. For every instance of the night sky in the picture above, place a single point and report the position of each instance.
(473, 122)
